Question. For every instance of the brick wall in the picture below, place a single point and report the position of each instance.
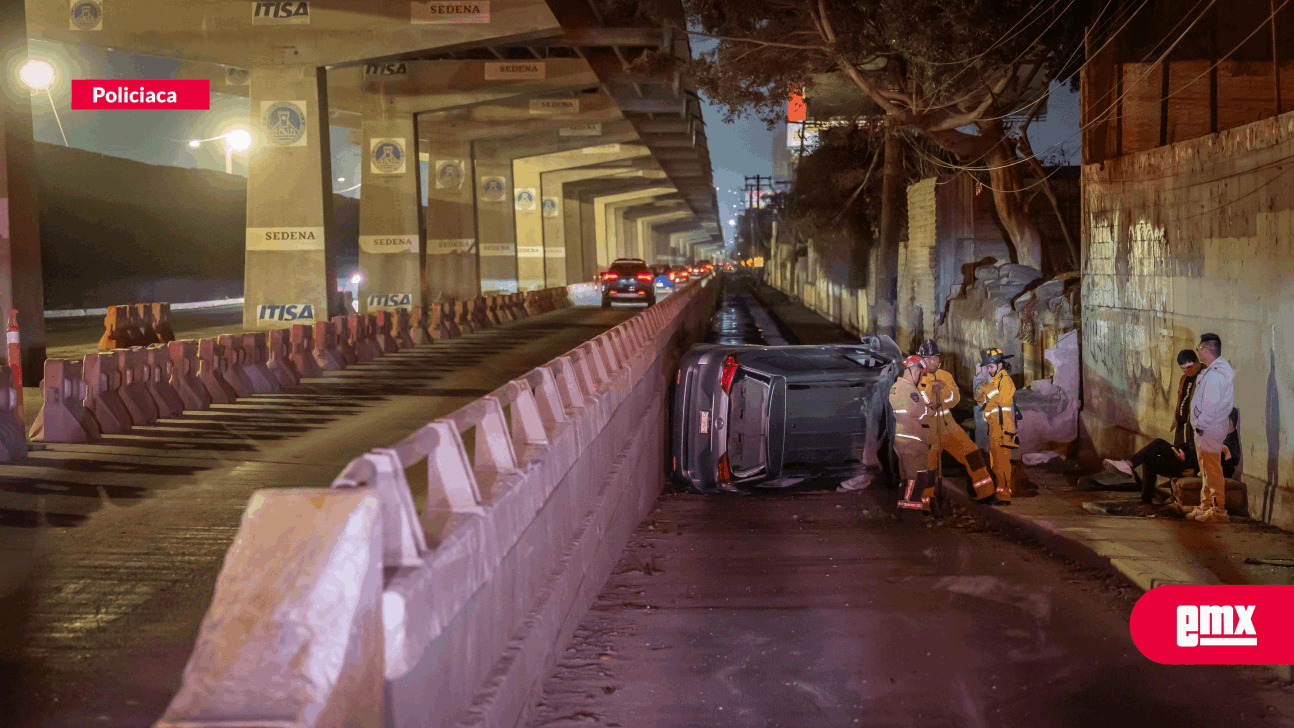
(1177, 241)
(917, 265)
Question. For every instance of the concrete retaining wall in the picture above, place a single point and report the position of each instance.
(1179, 241)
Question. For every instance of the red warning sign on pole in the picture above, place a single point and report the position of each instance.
(796, 110)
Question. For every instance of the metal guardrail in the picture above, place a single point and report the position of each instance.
(88, 312)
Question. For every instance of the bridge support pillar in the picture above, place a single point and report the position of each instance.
(390, 253)
(452, 266)
(291, 247)
(20, 271)
(495, 221)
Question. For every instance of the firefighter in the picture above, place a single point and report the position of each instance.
(909, 440)
(940, 393)
(997, 395)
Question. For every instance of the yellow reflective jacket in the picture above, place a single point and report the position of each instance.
(998, 397)
(909, 412)
(940, 405)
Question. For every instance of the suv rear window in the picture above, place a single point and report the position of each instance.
(747, 424)
(628, 269)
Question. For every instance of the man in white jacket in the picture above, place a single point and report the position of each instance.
(1210, 413)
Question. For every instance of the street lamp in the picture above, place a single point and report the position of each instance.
(38, 76)
(356, 280)
(237, 139)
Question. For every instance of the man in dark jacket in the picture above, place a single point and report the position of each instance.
(1159, 458)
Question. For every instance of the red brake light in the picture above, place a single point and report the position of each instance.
(610, 276)
(725, 476)
(644, 277)
(671, 276)
(729, 371)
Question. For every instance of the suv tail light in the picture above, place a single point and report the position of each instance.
(610, 277)
(725, 475)
(729, 371)
(644, 277)
(671, 275)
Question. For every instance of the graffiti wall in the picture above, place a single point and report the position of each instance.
(1178, 241)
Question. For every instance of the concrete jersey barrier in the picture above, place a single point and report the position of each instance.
(483, 586)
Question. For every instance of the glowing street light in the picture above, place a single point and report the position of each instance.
(239, 139)
(341, 179)
(194, 143)
(38, 76)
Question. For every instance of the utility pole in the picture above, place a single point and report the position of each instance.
(757, 200)
(887, 290)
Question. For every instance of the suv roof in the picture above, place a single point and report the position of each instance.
(629, 260)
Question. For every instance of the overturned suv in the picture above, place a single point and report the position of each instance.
(769, 416)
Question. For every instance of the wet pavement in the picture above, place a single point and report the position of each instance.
(823, 608)
(109, 551)
(826, 609)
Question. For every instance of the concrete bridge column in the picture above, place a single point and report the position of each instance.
(390, 255)
(20, 271)
(495, 222)
(528, 210)
(451, 267)
(291, 246)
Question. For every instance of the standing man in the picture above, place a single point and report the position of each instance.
(939, 392)
(909, 441)
(1211, 408)
(997, 395)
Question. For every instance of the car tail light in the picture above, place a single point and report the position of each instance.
(610, 277)
(671, 276)
(644, 277)
(725, 475)
(729, 371)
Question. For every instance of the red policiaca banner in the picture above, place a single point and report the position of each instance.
(133, 95)
(1215, 625)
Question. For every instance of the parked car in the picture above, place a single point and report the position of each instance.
(664, 277)
(764, 416)
(629, 279)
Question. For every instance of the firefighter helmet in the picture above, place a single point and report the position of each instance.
(914, 361)
(993, 356)
(928, 348)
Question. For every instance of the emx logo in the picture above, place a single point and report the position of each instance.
(1215, 625)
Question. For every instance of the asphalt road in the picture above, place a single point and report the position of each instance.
(820, 608)
(109, 552)
(826, 609)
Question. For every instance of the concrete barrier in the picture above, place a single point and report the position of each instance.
(518, 536)
(62, 418)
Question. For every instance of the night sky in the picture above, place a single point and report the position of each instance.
(161, 137)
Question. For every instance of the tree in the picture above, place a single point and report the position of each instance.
(951, 71)
(837, 198)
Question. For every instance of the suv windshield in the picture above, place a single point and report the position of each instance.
(747, 424)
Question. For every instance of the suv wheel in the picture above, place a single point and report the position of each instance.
(606, 302)
(651, 301)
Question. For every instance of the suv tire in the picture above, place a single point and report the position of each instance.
(606, 302)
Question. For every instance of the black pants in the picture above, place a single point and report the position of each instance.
(1158, 459)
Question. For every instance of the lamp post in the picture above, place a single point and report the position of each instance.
(38, 76)
(237, 139)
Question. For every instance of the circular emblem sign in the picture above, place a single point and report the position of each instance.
(449, 175)
(86, 15)
(285, 123)
(388, 156)
(492, 188)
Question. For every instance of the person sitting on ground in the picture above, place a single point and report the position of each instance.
(1183, 436)
(1159, 458)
